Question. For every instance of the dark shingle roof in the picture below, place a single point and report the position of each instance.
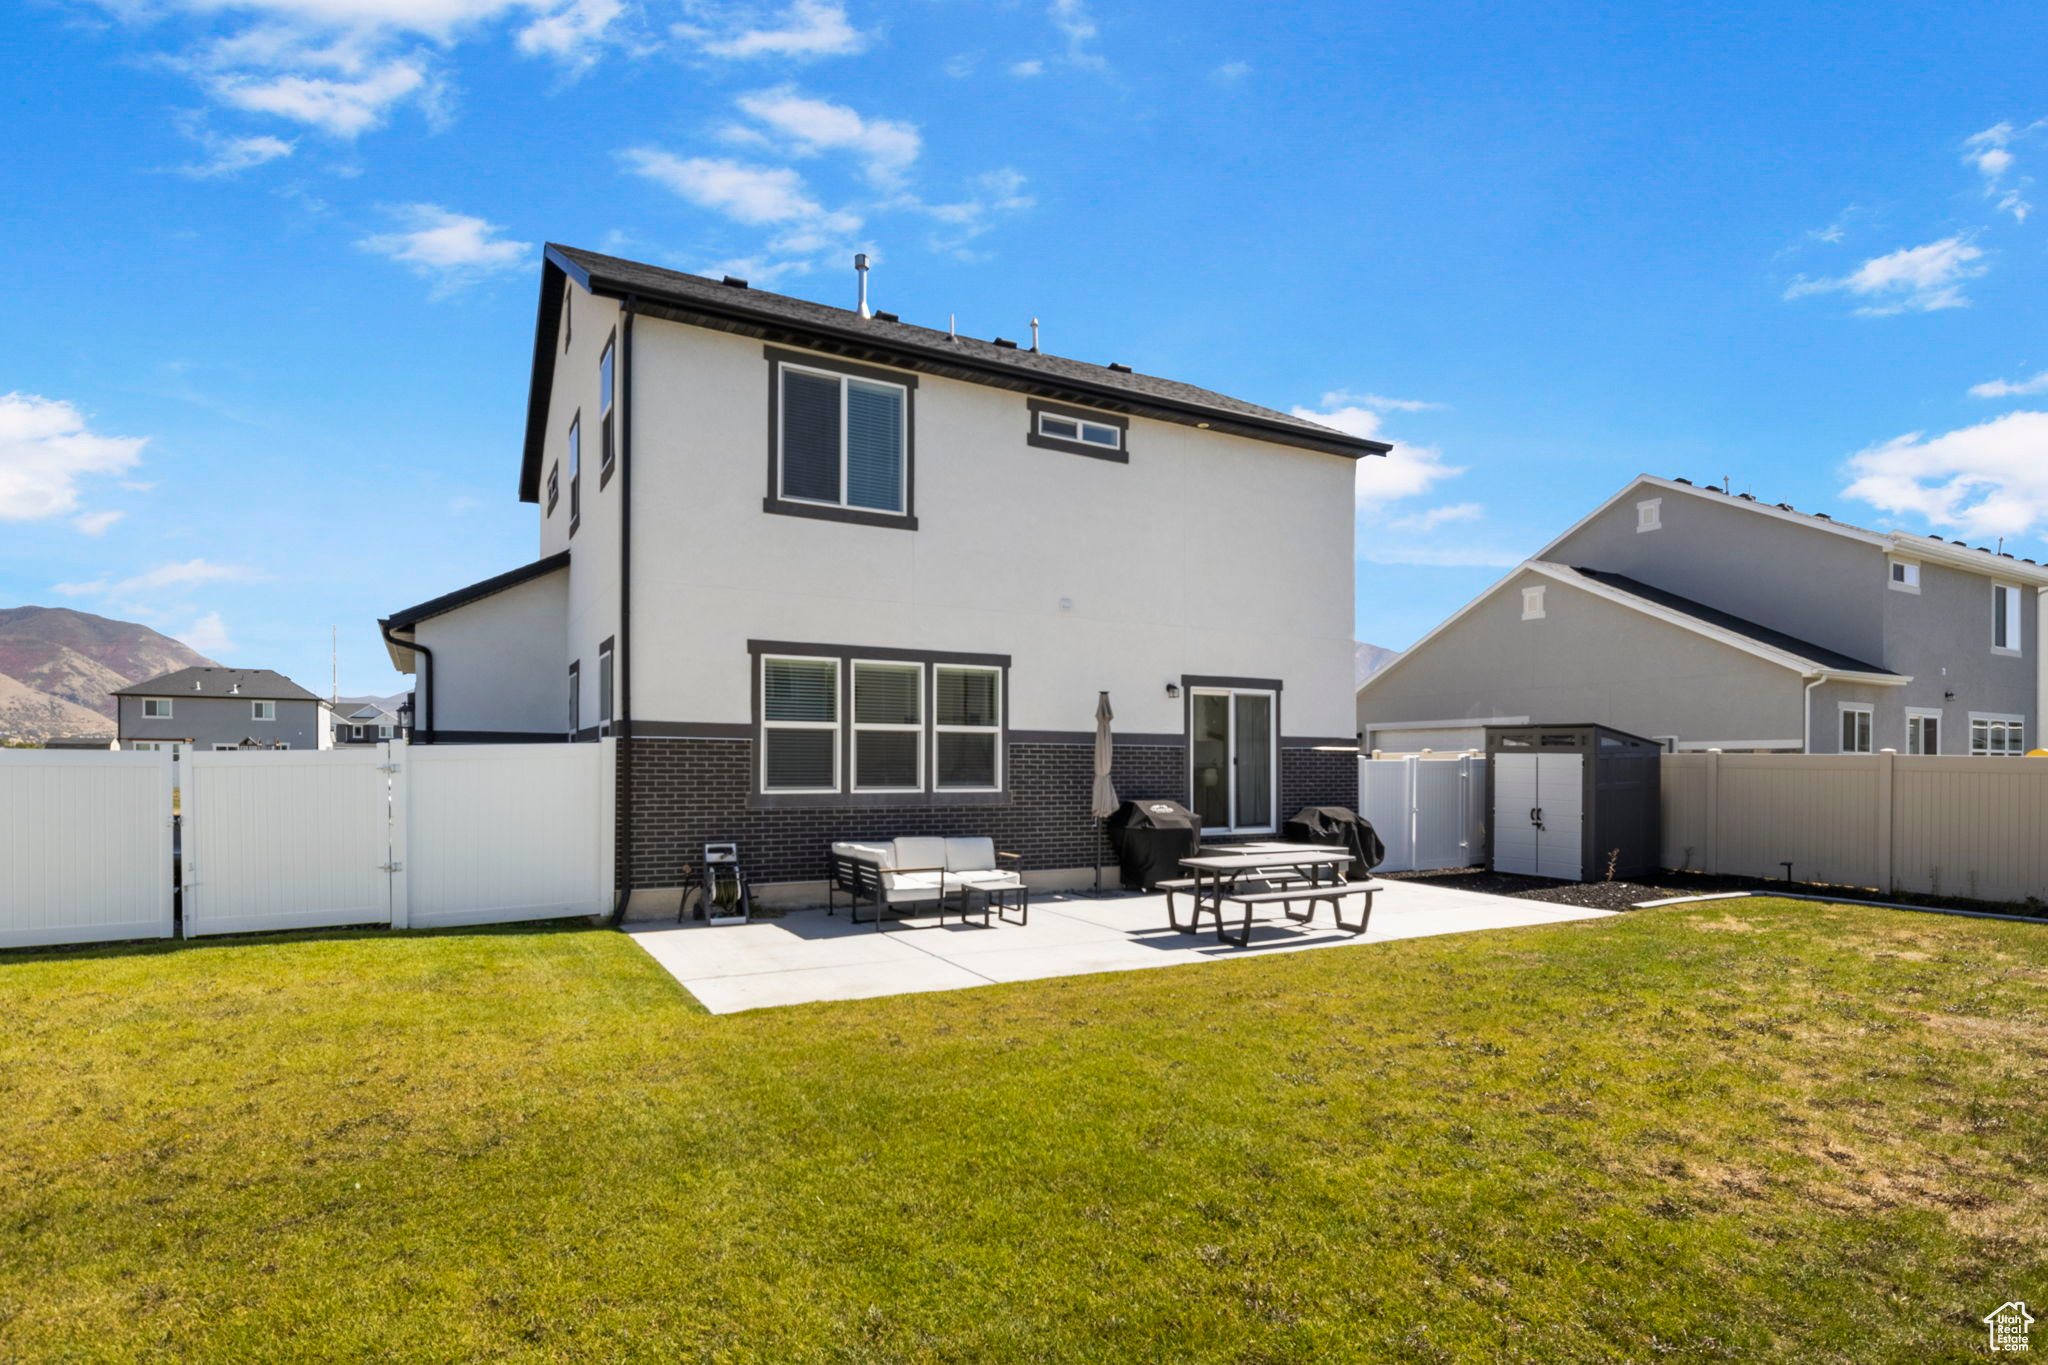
(245, 684)
(1819, 655)
(757, 312)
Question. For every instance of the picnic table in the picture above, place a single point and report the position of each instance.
(1285, 874)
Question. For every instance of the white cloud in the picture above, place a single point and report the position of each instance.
(1230, 73)
(748, 194)
(961, 65)
(1921, 279)
(1378, 402)
(95, 523)
(45, 448)
(1078, 27)
(1991, 153)
(208, 635)
(2009, 388)
(1987, 480)
(163, 577)
(1434, 517)
(341, 107)
(808, 28)
(1028, 68)
(571, 32)
(886, 148)
(451, 249)
(232, 155)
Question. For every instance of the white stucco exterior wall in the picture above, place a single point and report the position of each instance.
(498, 662)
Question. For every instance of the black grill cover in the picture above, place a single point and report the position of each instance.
(1341, 828)
(1150, 839)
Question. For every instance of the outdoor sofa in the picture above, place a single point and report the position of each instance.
(920, 875)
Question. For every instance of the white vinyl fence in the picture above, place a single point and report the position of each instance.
(1430, 812)
(1971, 827)
(297, 839)
(85, 846)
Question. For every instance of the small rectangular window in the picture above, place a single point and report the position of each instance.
(554, 487)
(1923, 733)
(888, 727)
(355, 732)
(1075, 429)
(1100, 436)
(1532, 604)
(800, 724)
(575, 472)
(575, 697)
(2005, 618)
(383, 732)
(1855, 729)
(604, 683)
(604, 407)
(1905, 575)
(1650, 515)
(156, 708)
(262, 710)
(967, 728)
(1997, 737)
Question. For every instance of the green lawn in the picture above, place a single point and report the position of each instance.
(1771, 1130)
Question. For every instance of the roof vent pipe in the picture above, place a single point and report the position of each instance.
(860, 268)
(1034, 334)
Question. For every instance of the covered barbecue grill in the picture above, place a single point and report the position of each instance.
(1339, 828)
(1150, 839)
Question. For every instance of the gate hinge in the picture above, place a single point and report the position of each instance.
(387, 768)
(391, 867)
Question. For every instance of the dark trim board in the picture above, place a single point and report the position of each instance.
(1118, 738)
(476, 592)
(877, 653)
(1349, 742)
(684, 729)
(486, 737)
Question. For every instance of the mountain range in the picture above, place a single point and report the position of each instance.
(1367, 660)
(58, 668)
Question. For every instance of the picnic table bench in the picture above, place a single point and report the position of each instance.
(1284, 875)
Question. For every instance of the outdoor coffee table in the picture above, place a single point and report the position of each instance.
(1217, 875)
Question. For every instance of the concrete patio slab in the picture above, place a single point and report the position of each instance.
(807, 955)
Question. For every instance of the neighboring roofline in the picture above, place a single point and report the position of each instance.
(1562, 573)
(1906, 545)
(476, 592)
(1784, 658)
(735, 316)
(147, 688)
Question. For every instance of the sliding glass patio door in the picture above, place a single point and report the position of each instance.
(1232, 752)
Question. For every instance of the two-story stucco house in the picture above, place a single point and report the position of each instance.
(830, 575)
(222, 708)
(1708, 620)
(366, 723)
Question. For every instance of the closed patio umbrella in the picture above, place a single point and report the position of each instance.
(1103, 802)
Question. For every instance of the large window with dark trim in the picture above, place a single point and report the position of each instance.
(605, 449)
(888, 727)
(799, 724)
(843, 440)
(2005, 618)
(967, 727)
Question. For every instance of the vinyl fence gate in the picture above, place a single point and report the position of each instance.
(1430, 812)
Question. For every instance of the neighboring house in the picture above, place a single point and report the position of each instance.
(1709, 621)
(366, 724)
(222, 708)
(829, 575)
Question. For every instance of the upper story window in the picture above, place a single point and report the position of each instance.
(575, 697)
(554, 487)
(605, 450)
(575, 472)
(1077, 431)
(604, 683)
(2005, 618)
(1650, 515)
(841, 721)
(1855, 728)
(262, 710)
(841, 441)
(1904, 575)
(156, 708)
(1532, 604)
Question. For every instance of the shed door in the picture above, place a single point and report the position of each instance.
(1561, 799)
(1538, 814)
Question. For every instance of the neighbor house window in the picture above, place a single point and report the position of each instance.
(1077, 432)
(1855, 728)
(842, 440)
(575, 472)
(604, 683)
(1997, 736)
(1923, 732)
(145, 746)
(262, 710)
(355, 732)
(888, 726)
(1650, 515)
(1905, 575)
(967, 714)
(604, 412)
(575, 697)
(2005, 618)
(799, 725)
(554, 487)
(156, 708)
(1532, 604)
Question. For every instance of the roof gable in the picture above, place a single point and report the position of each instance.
(220, 684)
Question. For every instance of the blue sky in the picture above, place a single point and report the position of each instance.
(275, 262)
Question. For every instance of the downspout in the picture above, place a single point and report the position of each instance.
(426, 683)
(622, 723)
(1806, 713)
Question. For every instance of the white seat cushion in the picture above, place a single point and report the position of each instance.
(915, 852)
(970, 855)
(881, 855)
(914, 886)
(983, 881)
